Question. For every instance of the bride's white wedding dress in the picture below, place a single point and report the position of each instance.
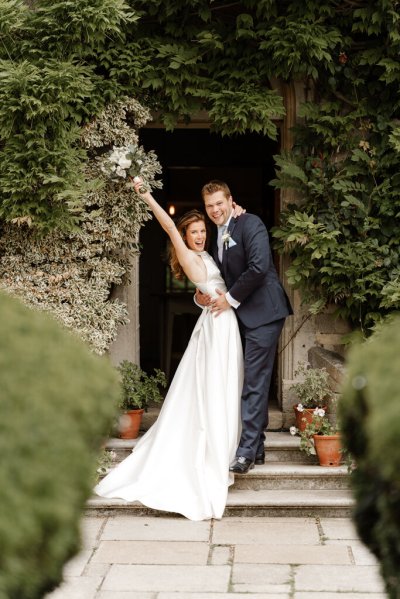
(182, 463)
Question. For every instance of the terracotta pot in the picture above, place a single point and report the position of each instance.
(129, 424)
(328, 448)
(304, 417)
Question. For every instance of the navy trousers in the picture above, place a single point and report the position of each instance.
(259, 347)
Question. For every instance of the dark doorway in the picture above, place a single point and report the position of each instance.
(189, 159)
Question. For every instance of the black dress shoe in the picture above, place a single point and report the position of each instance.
(260, 458)
(241, 465)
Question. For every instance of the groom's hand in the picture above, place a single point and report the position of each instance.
(202, 299)
(219, 304)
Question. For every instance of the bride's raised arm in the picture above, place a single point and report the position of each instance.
(193, 266)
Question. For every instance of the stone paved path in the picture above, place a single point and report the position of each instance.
(133, 557)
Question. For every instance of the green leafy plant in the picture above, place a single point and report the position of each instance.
(139, 389)
(72, 273)
(104, 462)
(319, 425)
(314, 389)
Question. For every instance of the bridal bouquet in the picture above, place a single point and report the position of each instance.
(125, 162)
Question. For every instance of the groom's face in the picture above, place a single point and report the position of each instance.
(218, 207)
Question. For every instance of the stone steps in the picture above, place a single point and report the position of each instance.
(283, 476)
(279, 447)
(274, 413)
(288, 484)
(246, 502)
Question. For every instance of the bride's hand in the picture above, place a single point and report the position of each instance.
(138, 185)
(237, 210)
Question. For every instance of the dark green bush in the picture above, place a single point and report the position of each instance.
(57, 401)
(370, 421)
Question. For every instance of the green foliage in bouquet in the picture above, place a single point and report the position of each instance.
(57, 401)
(370, 423)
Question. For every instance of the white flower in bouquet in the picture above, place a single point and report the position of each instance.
(124, 161)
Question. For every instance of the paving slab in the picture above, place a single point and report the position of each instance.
(223, 596)
(91, 527)
(221, 555)
(82, 587)
(76, 566)
(253, 578)
(93, 569)
(362, 555)
(152, 552)
(124, 557)
(319, 595)
(339, 579)
(126, 595)
(139, 528)
(339, 528)
(292, 554)
(167, 578)
(253, 531)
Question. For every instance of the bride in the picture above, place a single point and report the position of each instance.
(182, 463)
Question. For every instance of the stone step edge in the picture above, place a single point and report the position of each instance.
(252, 499)
(292, 470)
(275, 440)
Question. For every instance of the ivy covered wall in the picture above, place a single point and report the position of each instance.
(61, 63)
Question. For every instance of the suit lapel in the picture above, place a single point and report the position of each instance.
(214, 248)
(231, 226)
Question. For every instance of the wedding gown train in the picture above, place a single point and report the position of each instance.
(182, 463)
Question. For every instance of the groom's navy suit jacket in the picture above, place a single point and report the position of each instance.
(250, 274)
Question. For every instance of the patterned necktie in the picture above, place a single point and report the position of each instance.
(221, 231)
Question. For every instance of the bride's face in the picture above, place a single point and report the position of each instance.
(196, 235)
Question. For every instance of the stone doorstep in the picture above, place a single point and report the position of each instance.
(279, 447)
(286, 475)
(243, 502)
(275, 418)
(274, 440)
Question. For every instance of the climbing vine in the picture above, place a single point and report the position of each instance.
(61, 63)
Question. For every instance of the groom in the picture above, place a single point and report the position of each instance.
(240, 247)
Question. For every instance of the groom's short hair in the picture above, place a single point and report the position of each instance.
(213, 186)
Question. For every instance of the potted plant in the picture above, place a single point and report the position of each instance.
(312, 391)
(138, 390)
(320, 436)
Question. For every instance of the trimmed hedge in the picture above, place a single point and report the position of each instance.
(370, 417)
(57, 403)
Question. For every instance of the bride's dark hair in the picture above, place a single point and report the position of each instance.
(193, 216)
